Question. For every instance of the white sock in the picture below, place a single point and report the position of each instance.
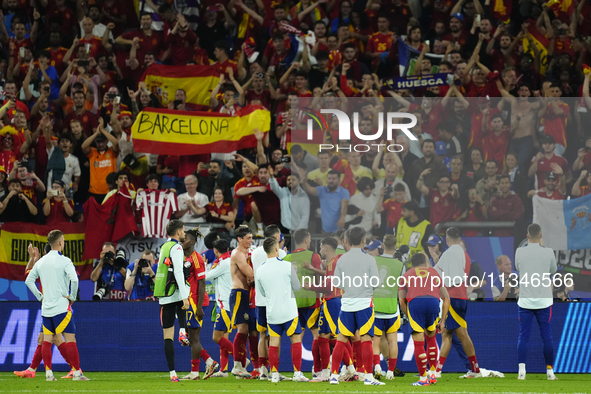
(334, 376)
(172, 374)
(238, 364)
(351, 368)
(424, 378)
(521, 368)
(48, 373)
(209, 361)
(368, 376)
(550, 371)
(77, 373)
(30, 369)
(326, 372)
(182, 331)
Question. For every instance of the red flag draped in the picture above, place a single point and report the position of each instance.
(108, 222)
(348, 181)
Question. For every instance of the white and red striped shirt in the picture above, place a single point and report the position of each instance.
(157, 207)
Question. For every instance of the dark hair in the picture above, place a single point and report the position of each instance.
(334, 172)
(355, 235)
(418, 259)
(322, 153)
(446, 64)
(534, 230)
(221, 245)
(322, 55)
(242, 231)
(269, 244)
(300, 235)
(302, 73)
(458, 157)
(44, 53)
(210, 239)
(453, 233)
(164, 8)
(491, 161)
(411, 206)
(330, 241)
(221, 44)
(173, 226)
(264, 166)
(15, 180)
(143, 13)
(152, 177)
(120, 174)
(364, 182)
(295, 149)
(195, 233)
(54, 236)
(399, 187)
(348, 45)
(65, 136)
(504, 177)
(272, 230)
(428, 140)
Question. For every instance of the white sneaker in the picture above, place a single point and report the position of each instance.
(239, 371)
(471, 374)
(220, 374)
(322, 377)
(264, 373)
(275, 377)
(298, 376)
(80, 378)
(390, 375)
(371, 381)
(551, 376)
(377, 372)
(50, 378)
(521, 376)
(282, 378)
(334, 379)
(437, 374)
(191, 376)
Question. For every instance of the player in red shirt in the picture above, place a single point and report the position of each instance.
(250, 208)
(220, 211)
(419, 294)
(181, 42)
(543, 161)
(393, 207)
(197, 299)
(379, 42)
(443, 200)
(148, 40)
(554, 117)
(552, 189)
(496, 139)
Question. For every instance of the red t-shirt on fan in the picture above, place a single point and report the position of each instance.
(442, 207)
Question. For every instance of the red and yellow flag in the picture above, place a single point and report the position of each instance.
(16, 237)
(165, 132)
(348, 181)
(197, 82)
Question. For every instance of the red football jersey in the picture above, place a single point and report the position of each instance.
(197, 273)
(421, 282)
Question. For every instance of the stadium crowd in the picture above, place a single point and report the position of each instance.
(71, 76)
(490, 139)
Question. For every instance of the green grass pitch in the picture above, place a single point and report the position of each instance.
(158, 382)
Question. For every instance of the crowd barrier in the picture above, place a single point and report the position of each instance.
(126, 336)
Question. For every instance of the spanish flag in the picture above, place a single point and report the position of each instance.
(197, 81)
(541, 42)
(501, 9)
(15, 238)
(347, 182)
(164, 131)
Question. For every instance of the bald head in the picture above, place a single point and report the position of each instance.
(503, 263)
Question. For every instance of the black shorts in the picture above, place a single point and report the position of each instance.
(169, 313)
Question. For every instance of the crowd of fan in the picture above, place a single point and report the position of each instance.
(71, 75)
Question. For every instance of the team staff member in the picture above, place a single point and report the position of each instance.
(197, 300)
(413, 230)
(454, 265)
(219, 276)
(60, 286)
(242, 279)
(387, 315)
(258, 258)
(535, 260)
(171, 288)
(356, 305)
(419, 300)
(276, 280)
(308, 264)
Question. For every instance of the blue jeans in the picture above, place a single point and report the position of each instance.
(524, 147)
